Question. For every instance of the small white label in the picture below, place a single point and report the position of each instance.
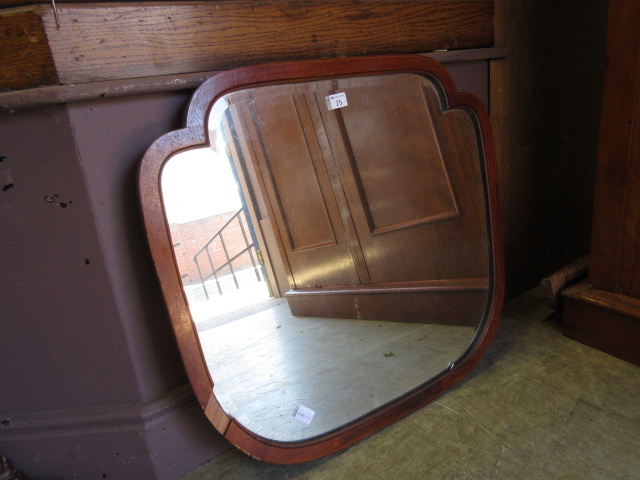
(337, 100)
(304, 414)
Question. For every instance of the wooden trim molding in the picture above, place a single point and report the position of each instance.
(59, 94)
(111, 416)
(92, 42)
(604, 320)
(449, 285)
(161, 438)
(613, 302)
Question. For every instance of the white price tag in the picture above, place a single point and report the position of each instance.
(337, 100)
(304, 414)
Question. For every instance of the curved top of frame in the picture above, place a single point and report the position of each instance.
(195, 135)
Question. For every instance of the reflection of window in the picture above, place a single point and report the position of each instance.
(198, 184)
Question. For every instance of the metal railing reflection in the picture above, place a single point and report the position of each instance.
(248, 247)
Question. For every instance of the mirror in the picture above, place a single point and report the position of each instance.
(327, 239)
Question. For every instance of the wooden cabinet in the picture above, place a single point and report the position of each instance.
(377, 205)
(604, 311)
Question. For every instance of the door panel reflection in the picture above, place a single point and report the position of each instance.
(334, 259)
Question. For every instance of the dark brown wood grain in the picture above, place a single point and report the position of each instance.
(596, 297)
(21, 3)
(604, 312)
(158, 236)
(444, 307)
(26, 59)
(615, 256)
(545, 104)
(553, 285)
(29, 98)
(607, 321)
(107, 41)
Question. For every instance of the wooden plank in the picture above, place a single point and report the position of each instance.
(22, 3)
(544, 111)
(26, 59)
(553, 284)
(629, 280)
(435, 307)
(423, 286)
(607, 321)
(604, 300)
(165, 83)
(618, 158)
(112, 41)
(604, 312)
(57, 94)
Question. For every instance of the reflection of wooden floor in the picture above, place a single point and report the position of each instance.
(263, 366)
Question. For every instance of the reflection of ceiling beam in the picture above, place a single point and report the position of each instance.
(97, 42)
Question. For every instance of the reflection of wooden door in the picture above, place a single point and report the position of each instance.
(407, 212)
(364, 198)
(300, 199)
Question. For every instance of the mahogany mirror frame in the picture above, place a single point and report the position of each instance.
(195, 135)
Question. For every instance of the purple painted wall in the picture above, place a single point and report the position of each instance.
(111, 137)
(58, 325)
(92, 383)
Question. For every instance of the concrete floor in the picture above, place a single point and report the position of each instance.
(538, 406)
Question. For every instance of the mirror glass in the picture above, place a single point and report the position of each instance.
(333, 246)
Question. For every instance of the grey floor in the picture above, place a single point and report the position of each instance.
(267, 364)
(538, 406)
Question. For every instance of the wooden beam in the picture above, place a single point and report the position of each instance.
(26, 59)
(553, 285)
(97, 42)
(615, 255)
(546, 139)
(58, 94)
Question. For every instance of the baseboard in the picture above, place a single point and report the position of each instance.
(444, 302)
(607, 321)
(156, 440)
